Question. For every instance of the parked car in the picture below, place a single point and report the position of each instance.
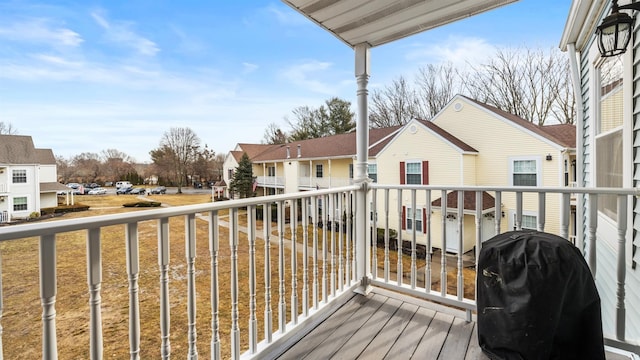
(73, 185)
(92, 185)
(137, 191)
(158, 190)
(123, 190)
(97, 191)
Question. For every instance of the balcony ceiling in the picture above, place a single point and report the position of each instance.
(378, 22)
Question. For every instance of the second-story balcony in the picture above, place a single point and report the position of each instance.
(310, 183)
(235, 280)
(271, 181)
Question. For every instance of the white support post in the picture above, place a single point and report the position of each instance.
(133, 270)
(94, 278)
(48, 289)
(163, 264)
(190, 252)
(214, 248)
(363, 263)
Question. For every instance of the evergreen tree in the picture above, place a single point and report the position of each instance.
(243, 181)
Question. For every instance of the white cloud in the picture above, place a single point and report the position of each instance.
(249, 67)
(120, 33)
(301, 75)
(40, 31)
(456, 50)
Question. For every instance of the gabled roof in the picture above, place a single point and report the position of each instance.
(17, 149)
(563, 135)
(447, 136)
(45, 157)
(52, 187)
(488, 201)
(336, 146)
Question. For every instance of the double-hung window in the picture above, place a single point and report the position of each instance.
(19, 176)
(20, 203)
(524, 172)
(373, 172)
(319, 172)
(608, 137)
(414, 173)
(414, 217)
(271, 171)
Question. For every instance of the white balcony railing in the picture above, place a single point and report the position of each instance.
(312, 264)
(3, 187)
(271, 181)
(323, 182)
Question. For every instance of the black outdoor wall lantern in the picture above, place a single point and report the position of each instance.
(615, 31)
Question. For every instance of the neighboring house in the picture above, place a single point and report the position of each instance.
(458, 147)
(608, 119)
(28, 178)
(469, 143)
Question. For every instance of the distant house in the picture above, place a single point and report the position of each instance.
(467, 143)
(28, 178)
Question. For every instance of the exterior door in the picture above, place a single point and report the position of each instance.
(452, 233)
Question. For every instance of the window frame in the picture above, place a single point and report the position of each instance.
(538, 173)
(17, 174)
(407, 173)
(409, 220)
(373, 166)
(319, 171)
(15, 203)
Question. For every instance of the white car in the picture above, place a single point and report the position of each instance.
(97, 191)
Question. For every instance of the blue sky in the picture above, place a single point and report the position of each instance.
(85, 76)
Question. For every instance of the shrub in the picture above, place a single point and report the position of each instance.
(34, 215)
(142, 204)
(63, 209)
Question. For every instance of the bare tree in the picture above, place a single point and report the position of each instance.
(274, 135)
(394, 105)
(437, 85)
(178, 148)
(117, 164)
(86, 167)
(532, 84)
(7, 129)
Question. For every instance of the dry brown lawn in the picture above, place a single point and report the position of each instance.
(21, 320)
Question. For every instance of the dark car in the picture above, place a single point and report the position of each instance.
(158, 190)
(123, 190)
(137, 191)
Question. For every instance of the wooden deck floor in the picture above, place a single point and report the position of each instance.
(388, 325)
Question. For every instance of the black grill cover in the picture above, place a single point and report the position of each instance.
(537, 299)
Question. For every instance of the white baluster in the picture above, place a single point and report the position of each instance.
(133, 270)
(94, 278)
(387, 264)
(165, 308)
(332, 233)
(518, 221)
(542, 211)
(282, 304)
(190, 252)
(48, 289)
(399, 268)
(565, 209)
(429, 249)
(305, 257)
(443, 252)
(414, 266)
(316, 281)
(253, 321)
(268, 312)
(293, 222)
(479, 215)
(460, 243)
(374, 232)
(498, 207)
(340, 223)
(1, 307)
(233, 245)
(214, 247)
(325, 255)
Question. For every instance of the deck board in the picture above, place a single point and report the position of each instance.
(387, 325)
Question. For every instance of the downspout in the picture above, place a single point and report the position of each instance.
(363, 262)
(577, 90)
